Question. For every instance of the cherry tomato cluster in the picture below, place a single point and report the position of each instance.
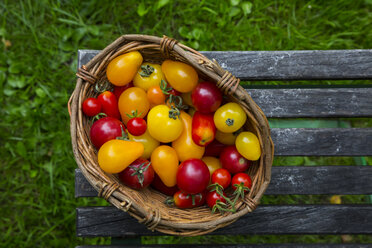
(163, 126)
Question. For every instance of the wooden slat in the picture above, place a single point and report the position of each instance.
(234, 246)
(285, 180)
(266, 219)
(287, 65)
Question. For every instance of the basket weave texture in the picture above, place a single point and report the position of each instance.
(147, 205)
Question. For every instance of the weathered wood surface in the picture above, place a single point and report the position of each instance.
(266, 219)
(233, 246)
(286, 65)
(302, 180)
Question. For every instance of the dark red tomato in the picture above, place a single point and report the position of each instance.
(203, 129)
(174, 92)
(138, 175)
(206, 97)
(109, 104)
(232, 161)
(241, 178)
(214, 149)
(136, 126)
(120, 89)
(158, 184)
(213, 197)
(193, 176)
(105, 129)
(91, 107)
(222, 177)
(183, 200)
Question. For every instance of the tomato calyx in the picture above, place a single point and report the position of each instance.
(134, 114)
(147, 70)
(99, 88)
(221, 206)
(139, 171)
(174, 113)
(229, 122)
(164, 87)
(98, 116)
(240, 190)
(124, 135)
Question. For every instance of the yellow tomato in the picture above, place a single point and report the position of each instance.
(212, 163)
(182, 77)
(116, 155)
(163, 127)
(148, 75)
(248, 145)
(184, 145)
(122, 69)
(132, 100)
(226, 138)
(165, 162)
(229, 117)
(148, 142)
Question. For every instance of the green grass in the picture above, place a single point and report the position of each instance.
(39, 41)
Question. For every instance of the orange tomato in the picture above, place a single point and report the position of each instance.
(132, 100)
(155, 95)
(165, 162)
(182, 77)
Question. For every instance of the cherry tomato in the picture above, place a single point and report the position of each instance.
(148, 75)
(165, 163)
(229, 117)
(248, 145)
(136, 126)
(206, 97)
(214, 149)
(116, 155)
(203, 128)
(120, 89)
(226, 138)
(233, 161)
(91, 107)
(212, 163)
(148, 142)
(183, 200)
(174, 92)
(213, 197)
(193, 176)
(132, 100)
(222, 177)
(122, 69)
(105, 129)
(241, 178)
(109, 104)
(160, 186)
(138, 175)
(180, 76)
(155, 95)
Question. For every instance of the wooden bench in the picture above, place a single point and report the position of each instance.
(285, 102)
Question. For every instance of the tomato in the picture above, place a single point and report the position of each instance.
(180, 76)
(120, 89)
(109, 104)
(222, 177)
(160, 186)
(174, 92)
(91, 107)
(105, 129)
(193, 176)
(203, 128)
(241, 179)
(212, 163)
(116, 155)
(165, 163)
(132, 100)
(122, 69)
(206, 97)
(183, 200)
(191, 112)
(162, 126)
(233, 161)
(148, 142)
(248, 145)
(187, 99)
(226, 138)
(148, 75)
(229, 117)
(184, 145)
(155, 95)
(136, 126)
(138, 175)
(213, 197)
(214, 149)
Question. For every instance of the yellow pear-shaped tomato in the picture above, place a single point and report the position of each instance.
(148, 75)
(116, 155)
(165, 162)
(226, 138)
(148, 142)
(182, 77)
(212, 163)
(229, 117)
(133, 100)
(162, 125)
(184, 145)
(248, 146)
(122, 69)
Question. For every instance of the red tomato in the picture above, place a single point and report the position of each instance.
(138, 175)
(213, 197)
(109, 104)
(206, 97)
(120, 89)
(203, 128)
(105, 129)
(222, 177)
(174, 92)
(193, 176)
(136, 126)
(233, 161)
(183, 200)
(91, 107)
(241, 179)
(214, 148)
(158, 184)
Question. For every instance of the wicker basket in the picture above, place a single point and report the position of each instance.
(147, 206)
